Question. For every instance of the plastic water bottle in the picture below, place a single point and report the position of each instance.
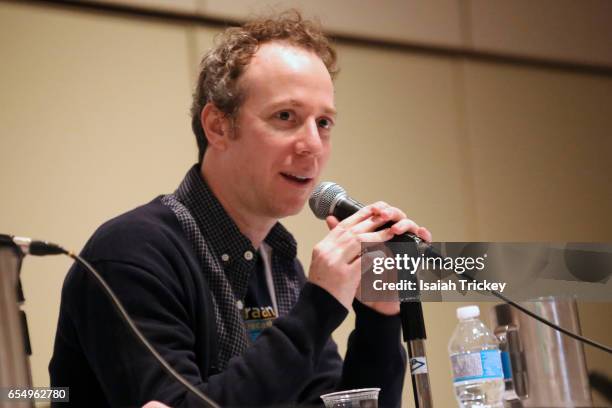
(476, 362)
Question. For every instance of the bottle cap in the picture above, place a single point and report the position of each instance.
(467, 312)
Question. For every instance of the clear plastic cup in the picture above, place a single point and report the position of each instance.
(361, 398)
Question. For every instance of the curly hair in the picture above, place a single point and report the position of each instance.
(222, 66)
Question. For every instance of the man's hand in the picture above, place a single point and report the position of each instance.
(154, 404)
(335, 264)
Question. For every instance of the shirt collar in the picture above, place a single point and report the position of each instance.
(219, 229)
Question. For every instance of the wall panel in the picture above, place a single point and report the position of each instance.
(94, 122)
(540, 148)
(567, 30)
(540, 153)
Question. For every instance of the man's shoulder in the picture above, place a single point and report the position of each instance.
(146, 228)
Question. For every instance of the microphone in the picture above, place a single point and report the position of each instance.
(331, 199)
(32, 247)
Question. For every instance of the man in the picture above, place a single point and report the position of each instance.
(208, 273)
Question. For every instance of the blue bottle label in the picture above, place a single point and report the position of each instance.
(479, 365)
(506, 365)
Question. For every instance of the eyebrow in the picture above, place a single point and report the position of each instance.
(296, 103)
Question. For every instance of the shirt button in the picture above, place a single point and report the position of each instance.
(239, 304)
(225, 257)
(248, 255)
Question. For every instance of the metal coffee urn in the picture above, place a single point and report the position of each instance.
(548, 367)
(14, 343)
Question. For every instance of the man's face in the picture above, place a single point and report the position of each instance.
(282, 130)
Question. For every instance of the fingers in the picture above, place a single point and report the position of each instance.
(331, 222)
(371, 217)
(424, 233)
(367, 220)
(379, 218)
(390, 213)
(399, 228)
(364, 213)
(377, 236)
(341, 245)
(403, 226)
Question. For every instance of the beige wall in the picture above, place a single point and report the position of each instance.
(95, 121)
(565, 30)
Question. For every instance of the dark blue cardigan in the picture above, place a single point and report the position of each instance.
(146, 259)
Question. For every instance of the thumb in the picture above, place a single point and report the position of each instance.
(331, 222)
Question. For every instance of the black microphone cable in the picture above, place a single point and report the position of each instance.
(42, 248)
(430, 252)
(528, 312)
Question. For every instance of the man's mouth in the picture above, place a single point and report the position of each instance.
(295, 178)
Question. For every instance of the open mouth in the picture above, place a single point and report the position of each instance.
(294, 178)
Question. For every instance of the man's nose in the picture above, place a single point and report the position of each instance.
(309, 141)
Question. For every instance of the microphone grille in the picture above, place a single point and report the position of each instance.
(323, 197)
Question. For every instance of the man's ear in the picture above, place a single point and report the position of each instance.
(216, 126)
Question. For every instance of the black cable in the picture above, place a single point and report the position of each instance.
(45, 248)
(546, 322)
(433, 253)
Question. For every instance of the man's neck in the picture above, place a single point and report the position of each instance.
(254, 227)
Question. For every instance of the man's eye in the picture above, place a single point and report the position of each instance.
(325, 123)
(284, 115)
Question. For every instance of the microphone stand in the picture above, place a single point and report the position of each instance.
(15, 347)
(411, 312)
(413, 331)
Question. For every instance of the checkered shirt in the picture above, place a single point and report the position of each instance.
(228, 258)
